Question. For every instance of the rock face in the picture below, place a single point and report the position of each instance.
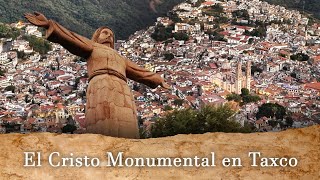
(302, 144)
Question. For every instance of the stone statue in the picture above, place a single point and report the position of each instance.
(110, 108)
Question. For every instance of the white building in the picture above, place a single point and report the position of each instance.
(4, 82)
(3, 58)
(181, 27)
(33, 30)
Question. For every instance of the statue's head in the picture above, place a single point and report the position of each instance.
(105, 36)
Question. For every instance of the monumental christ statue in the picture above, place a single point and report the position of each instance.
(110, 107)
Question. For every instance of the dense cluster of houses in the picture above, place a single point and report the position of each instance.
(47, 91)
(205, 71)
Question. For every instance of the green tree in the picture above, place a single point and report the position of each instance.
(260, 31)
(243, 13)
(77, 81)
(10, 88)
(39, 45)
(2, 72)
(27, 99)
(293, 75)
(174, 17)
(289, 121)
(250, 98)
(168, 56)
(21, 54)
(215, 10)
(221, 19)
(7, 32)
(69, 128)
(255, 68)
(245, 92)
(162, 33)
(199, 2)
(273, 123)
(294, 57)
(234, 97)
(282, 55)
(167, 108)
(181, 36)
(300, 57)
(178, 102)
(208, 119)
(285, 68)
(271, 110)
(250, 41)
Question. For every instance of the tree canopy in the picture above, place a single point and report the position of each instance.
(2, 72)
(243, 13)
(10, 88)
(7, 32)
(168, 56)
(255, 68)
(39, 45)
(234, 97)
(162, 33)
(300, 57)
(181, 36)
(244, 98)
(189, 121)
(260, 31)
(271, 110)
(69, 128)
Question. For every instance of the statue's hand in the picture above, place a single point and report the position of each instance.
(37, 19)
(165, 85)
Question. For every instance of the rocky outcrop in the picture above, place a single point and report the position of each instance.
(302, 144)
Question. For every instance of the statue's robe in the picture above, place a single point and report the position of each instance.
(110, 107)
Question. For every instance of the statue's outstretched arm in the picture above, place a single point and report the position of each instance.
(76, 44)
(141, 75)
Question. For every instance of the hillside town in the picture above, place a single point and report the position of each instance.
(246, 53)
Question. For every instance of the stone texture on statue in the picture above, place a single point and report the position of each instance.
(110, 108)
(113, 112)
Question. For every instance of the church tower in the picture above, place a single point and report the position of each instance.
(248, 75)
(238, 78)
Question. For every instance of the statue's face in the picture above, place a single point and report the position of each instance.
(106, 37)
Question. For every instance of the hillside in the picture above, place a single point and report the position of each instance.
(310, 6)
(302, 144)
(124, 16)
(84, 16)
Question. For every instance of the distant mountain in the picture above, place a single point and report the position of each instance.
(308, 6)
(124, 16)
(84, 16)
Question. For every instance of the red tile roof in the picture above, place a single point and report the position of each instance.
(315, 86)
